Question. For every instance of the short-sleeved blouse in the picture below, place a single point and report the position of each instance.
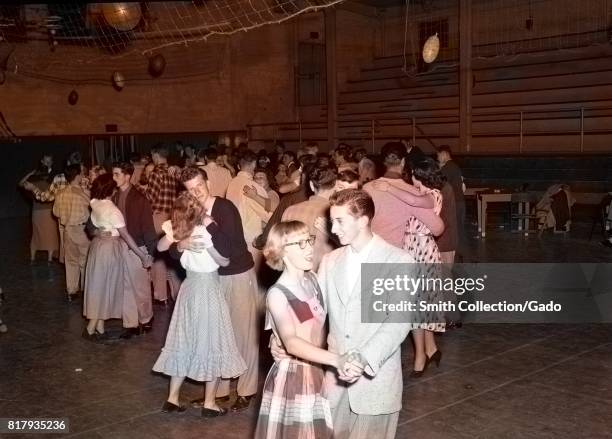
(200, 262)
(106, 216)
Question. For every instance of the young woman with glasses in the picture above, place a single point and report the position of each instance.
(292, 404)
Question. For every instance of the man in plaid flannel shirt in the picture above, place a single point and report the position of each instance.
(161, 191)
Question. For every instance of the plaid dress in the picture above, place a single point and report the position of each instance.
(292, 405)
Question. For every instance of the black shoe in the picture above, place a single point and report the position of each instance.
(102, 336)
(90, 337)
(162, 303)
(168, 407)
(241, 403)
(199, 403)
(73, 297)
(435, 358)
(211, 413)
(417, 373)
(129, 333)
(146, 327)
(606, 243)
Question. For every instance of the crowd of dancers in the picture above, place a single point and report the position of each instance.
(204, 229)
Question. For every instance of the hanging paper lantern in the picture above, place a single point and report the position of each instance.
(157, 65)
(73, 97)
(122, 16)
(118, 81)
(431, 49)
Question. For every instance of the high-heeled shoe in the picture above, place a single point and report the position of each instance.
(435, 358)
(418, 373)
(169, 407)
(213, 413)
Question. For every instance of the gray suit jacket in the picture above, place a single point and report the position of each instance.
(379, 390)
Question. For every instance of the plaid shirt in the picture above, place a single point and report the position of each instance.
(162, 189)
(71, 206)
(58, 184)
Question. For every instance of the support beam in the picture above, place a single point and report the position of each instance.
(465, 75)
(331, 76)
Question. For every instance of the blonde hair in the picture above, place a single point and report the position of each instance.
(277, 238)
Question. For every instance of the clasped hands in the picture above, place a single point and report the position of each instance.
(147, 261)
(351, 366)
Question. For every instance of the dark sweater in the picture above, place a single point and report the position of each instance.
(447, 241)
(452, 172)
(285, 202)
(139, 219)
(415, 155)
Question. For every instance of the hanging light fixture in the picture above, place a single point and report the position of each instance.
(122, 16)
(431, 48)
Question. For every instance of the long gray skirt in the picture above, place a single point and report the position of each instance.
(200, 343)
(103, 297)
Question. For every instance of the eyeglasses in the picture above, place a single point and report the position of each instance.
(302, 242)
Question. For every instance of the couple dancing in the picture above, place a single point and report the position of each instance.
(359, 395)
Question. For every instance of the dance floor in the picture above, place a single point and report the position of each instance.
(495, 381)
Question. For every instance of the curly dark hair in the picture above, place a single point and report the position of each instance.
(348, 176)
(269, 176)
(427, 171)
(103, 187)
(323, 177)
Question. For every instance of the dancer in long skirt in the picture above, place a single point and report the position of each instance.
(103, 293)
(200, 343)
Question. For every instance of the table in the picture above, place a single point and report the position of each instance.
(523, 199)
(473, 191)
(483, 198)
